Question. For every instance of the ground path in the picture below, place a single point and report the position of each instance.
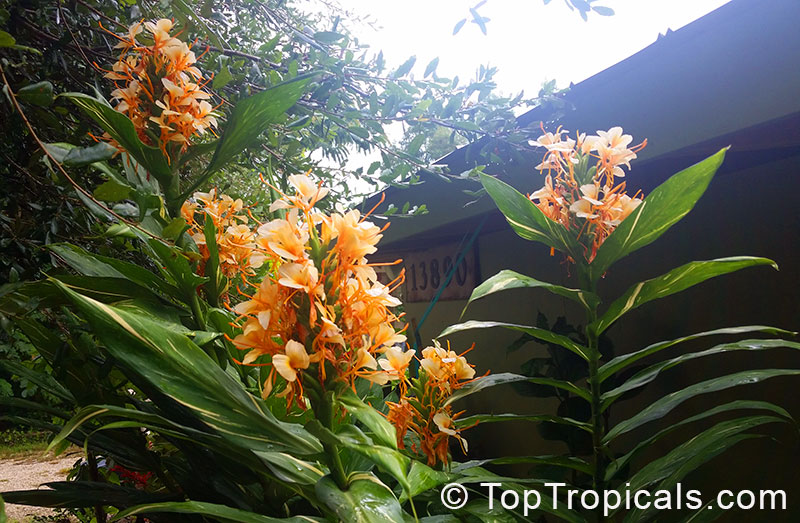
(28, 472)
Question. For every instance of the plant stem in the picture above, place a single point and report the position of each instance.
(598, 466)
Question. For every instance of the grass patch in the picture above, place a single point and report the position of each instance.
(18, 444)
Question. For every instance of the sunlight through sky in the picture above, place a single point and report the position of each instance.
(527, 41)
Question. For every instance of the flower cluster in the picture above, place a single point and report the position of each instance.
(321, 309)
(423, 409)
(236, 241)
(580, 189)
(159, 88)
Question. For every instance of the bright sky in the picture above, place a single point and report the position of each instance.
(527, 41)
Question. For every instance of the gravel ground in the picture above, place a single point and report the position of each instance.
(26, 473)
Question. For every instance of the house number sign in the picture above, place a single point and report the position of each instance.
(426, 272)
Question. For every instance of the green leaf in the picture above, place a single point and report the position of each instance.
(382, 430)
(538, 418)
(112, 191)
(404, 69)
(423, 478)
(642, 378)
(492, 380)
(620, 362)
(74, 156)
(3, 518)
(217, 283)
(327, 37)
(41, 379)
(603, 11)
(567, 462)
(366, 500)
(674, 281)
(508, 279)
(526, 219)
(174, 228)
(95, 265)
(6, 40)
(220, 512)
(222, 78)
(661, 407)
(431, 67)
(122, 130)
(253, 115)
(177, 267)
(76, 494)
(416, 143)
(667, 471)
(40, 93)
(660, 210)
(536, 332)
(181, 371)
(622, 461)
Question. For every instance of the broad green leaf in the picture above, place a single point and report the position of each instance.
(469, 421)
(95, 265)
(569, 462)
(536, 332)
(388, 459)
(661, 407)
(405, 68)
(291, 469)
(660, 210)
(112, 191)
(40, 93)
(222, 78)
(647, 375)
(667, 471)
(76, 494)
(122, 130)
(365, 500)
(2, 504)
(197, 150)
(327, 37)
(620, 362)
(431, 67)
(179, 369)
(218, 512)
(175, 228)
(283, 466)
(423, 478)
(33, 406)
(507, 279)
(382, 430)
(502, 378)
(254, 114)
(6, 40)
(109, 290)
(674, 281)
(176, 266)
(622, 461)
(526, 219)
(74, 156)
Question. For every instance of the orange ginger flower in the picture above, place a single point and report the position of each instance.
(157, 92)
(580, 191)
(423, 408)
(340, 313)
